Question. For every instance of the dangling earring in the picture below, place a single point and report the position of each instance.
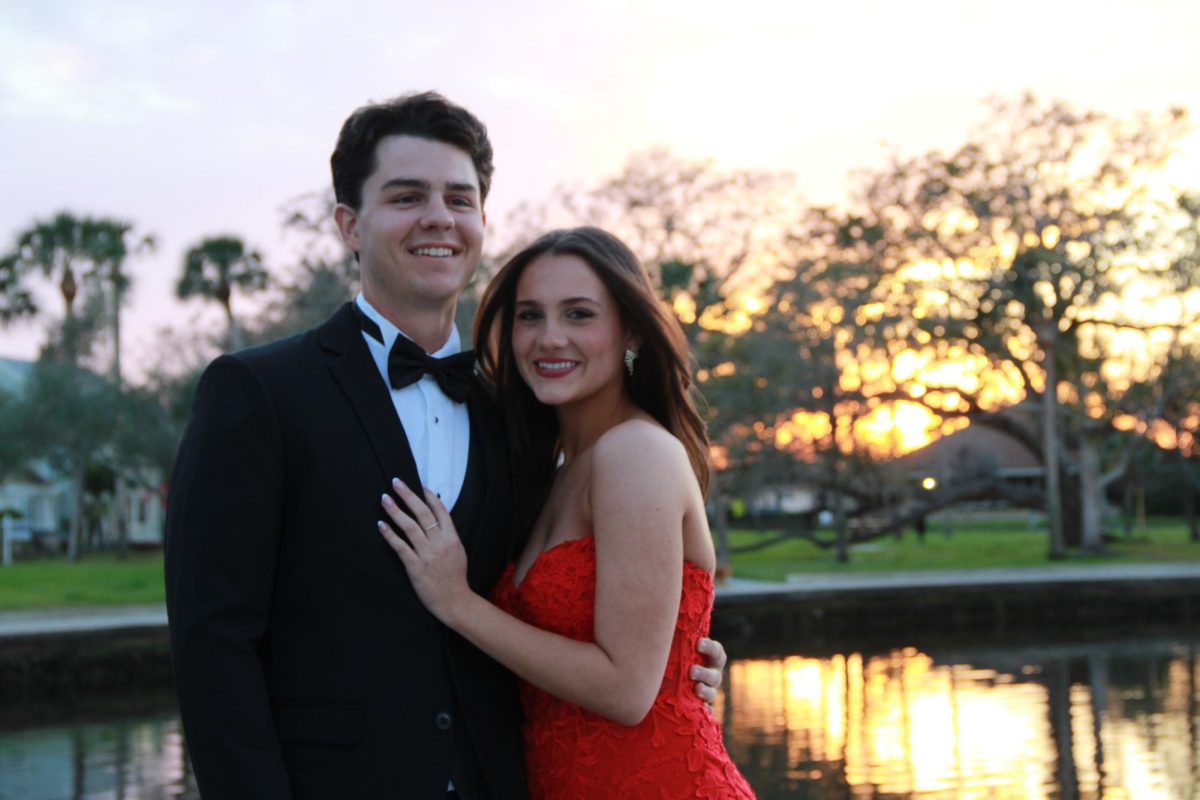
(630, 356)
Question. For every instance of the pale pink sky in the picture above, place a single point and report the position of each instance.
(198, 118)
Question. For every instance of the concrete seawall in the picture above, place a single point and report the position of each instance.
(819, 612)
(74, 655)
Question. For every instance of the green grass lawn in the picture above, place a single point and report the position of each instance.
(95, 580)
(102, 580)
(973, 543)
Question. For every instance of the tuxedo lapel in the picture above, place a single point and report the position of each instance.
(488, 545)
(487, 537)
(482, 432)
(359, 379)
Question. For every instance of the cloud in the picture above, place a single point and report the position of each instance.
(50, 77)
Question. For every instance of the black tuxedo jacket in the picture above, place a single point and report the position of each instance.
(305, 665)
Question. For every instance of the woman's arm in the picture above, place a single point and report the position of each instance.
(637, 507)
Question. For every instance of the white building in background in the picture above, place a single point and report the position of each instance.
(42, 498)
(784, 499)
(145, 511)
(38, 499)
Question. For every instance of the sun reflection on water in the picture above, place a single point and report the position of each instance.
(903, 724)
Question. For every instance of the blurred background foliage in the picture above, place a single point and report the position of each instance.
(1039, 280)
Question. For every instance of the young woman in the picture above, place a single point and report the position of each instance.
(601, 613)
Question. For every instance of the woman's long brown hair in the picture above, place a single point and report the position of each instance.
(661, 383)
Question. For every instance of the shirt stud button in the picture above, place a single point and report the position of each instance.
(443, 721)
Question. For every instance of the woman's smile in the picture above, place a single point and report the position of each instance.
(554, 369)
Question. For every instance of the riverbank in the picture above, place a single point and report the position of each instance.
(811, 592)
(58, 654)
(825, 611)
(977, 541)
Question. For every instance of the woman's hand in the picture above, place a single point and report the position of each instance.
(433, 555)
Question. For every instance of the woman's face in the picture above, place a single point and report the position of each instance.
(568, 340)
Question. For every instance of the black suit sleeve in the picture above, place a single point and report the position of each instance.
(223, 529)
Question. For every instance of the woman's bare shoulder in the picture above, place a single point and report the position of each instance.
(640, 449)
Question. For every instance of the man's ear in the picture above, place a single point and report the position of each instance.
(347, 223)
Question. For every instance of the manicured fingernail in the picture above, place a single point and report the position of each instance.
(382, 525)
(397, 482)
(385, 499)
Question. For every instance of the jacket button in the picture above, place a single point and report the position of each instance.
(443, 721)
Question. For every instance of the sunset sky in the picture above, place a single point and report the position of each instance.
(193, 119)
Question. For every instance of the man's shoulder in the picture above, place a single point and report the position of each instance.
(302, 346)
(286, 360)
(297, 345)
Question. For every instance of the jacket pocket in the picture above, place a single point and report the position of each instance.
(318, 723)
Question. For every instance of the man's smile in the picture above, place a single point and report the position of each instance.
(434, 251)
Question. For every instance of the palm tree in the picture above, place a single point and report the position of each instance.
(54, 248)
(58, 249)
(15, 300)
(109, 245)
(68, 249)
(214, 267)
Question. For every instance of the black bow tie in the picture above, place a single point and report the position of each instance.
(408, 363)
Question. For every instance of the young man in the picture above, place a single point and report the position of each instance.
(305, 665)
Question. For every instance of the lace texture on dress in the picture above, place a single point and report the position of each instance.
(573, 754)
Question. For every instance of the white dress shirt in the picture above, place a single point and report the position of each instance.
(438, 429)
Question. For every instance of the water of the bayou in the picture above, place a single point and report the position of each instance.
(1113, 718)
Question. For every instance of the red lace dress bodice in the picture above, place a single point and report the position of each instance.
(574, 754)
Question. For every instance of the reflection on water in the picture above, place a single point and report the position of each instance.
(132, 758)
(1108, 721)
(1104, 721)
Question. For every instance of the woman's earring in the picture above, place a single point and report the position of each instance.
(630, 357)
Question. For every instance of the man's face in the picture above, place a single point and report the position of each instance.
(419, 230)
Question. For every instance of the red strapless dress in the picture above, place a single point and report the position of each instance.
(573, 754)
